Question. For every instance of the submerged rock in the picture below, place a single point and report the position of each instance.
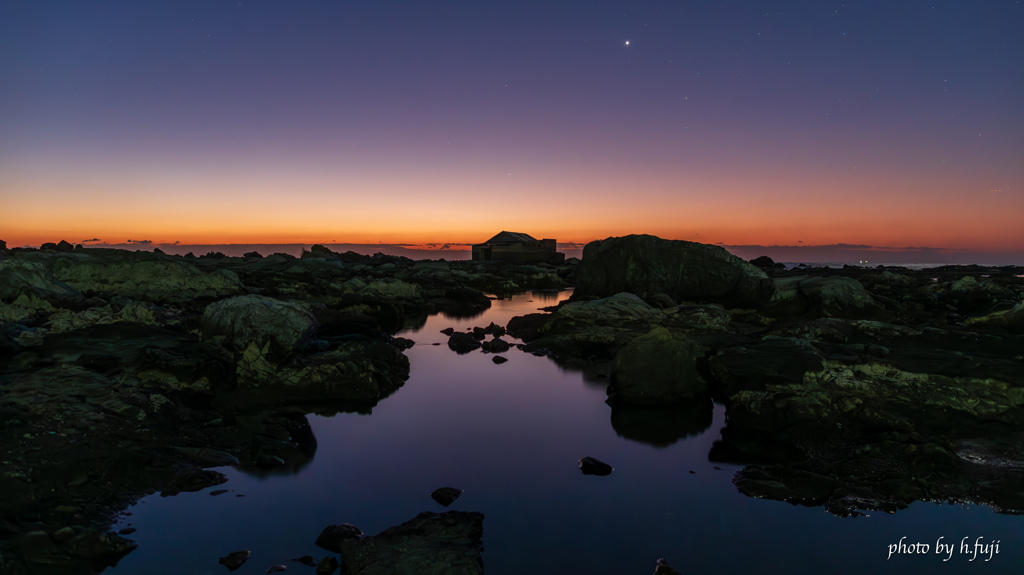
(430, 543)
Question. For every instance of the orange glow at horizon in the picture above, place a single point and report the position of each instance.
(469, 209)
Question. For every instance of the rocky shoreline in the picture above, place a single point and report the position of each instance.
(131, 373)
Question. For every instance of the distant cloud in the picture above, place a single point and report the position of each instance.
(139, 242)
(92, 240)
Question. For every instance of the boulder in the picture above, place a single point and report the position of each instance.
(840, 297)
(31, 283)
(462, 342)
(685, 271)
(446, 495)
(594, 466)
(657, 368)
(252, 319)
(430, 543)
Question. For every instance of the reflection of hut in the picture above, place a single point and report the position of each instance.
(517, 248)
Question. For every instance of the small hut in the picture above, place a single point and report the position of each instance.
(517, 248)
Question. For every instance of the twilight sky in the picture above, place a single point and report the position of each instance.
(885, 123)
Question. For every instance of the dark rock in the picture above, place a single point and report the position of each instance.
(496, 345)
(499, 359)
(766, 263)
(663, 568)
(235, 559)
(307, 560)
(33, 285)
(333, 537)
(657, 368)
(143, 276)
(782, 361)
(841, 297)
(448, 331)
(430, 543)
(446, 495)
(327, 566)
(685, 271)
(65, 246)
(528, 327)
(276, 568)
(403, 343)
(462, 343)
(591, 466)
(248, 320)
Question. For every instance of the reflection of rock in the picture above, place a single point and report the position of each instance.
(429, 543)
(662, 426)
(685, 271)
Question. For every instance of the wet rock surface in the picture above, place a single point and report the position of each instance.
(430, 543)
(853, 389)
(125, 374)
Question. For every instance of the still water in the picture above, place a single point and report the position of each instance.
(510, 435)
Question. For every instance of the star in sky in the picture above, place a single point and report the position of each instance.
(627, 43)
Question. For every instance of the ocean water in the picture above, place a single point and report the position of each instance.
(510, 435)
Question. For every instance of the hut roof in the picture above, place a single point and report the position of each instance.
(511, 238)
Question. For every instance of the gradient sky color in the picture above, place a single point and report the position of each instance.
(887, 123)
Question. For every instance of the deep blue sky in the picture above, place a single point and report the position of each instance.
(888, 123)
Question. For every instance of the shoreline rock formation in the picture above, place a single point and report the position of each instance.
(124, 374)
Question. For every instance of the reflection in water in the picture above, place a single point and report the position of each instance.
(511, 436)
(662, 426)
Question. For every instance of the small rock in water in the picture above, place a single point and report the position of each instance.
(499, 359)
(663, 568)
(446, 495)
(307, 560)
(463, 343)
(126, 531)
(276, 568)
(216, 492)
(235, 560)
(448, 331)
(403, 343)
(332, 536)
(327, 566)
(591, 466)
